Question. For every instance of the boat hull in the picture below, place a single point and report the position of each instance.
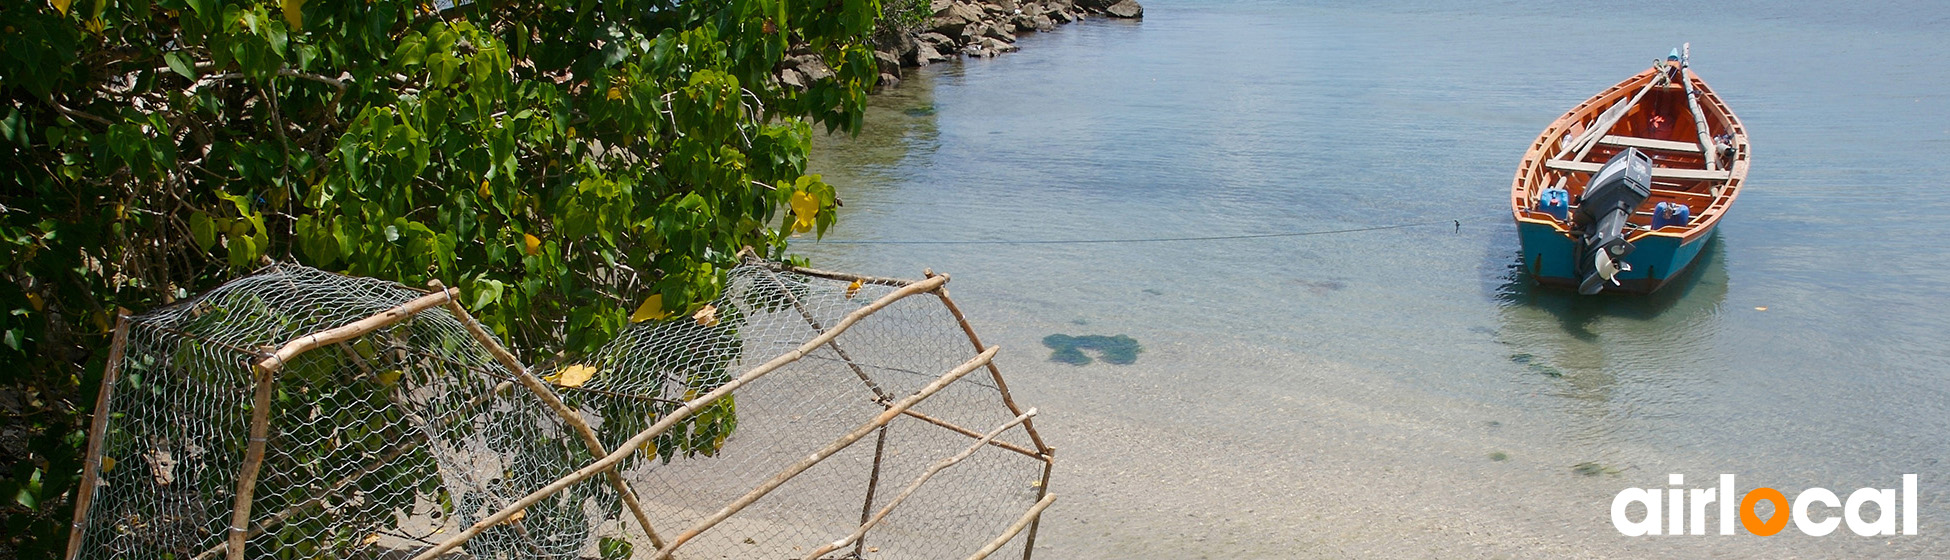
(1655, 259)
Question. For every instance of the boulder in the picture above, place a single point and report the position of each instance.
(1062, 16)
(953, 19)
(1095, 5)
(812, 67)
(888, 81)
(936, 6)
(1007, 6)
(888, 62)
(936, 40)
(998, 47)
(1043, 23)
(925, 55)
(1126, 9)
(997, 32)
(793, 78)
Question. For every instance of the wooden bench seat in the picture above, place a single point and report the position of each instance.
(1649, 144)
(1657, 172)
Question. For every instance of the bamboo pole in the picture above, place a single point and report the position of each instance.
(939, 466)
(677, 415)
(554, 402)
(994, 373)
(839, 444)
(265, 377)
(98, 431)
(1589, 139)
(1035, 513)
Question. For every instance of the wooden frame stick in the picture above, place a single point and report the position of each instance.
(319, 498)
(548, 396)
(995, 373)
(916, 485)
(839, 444)
(1035, 513)
(97, 432)
(678, 415)
(265, 376)
(974, 434)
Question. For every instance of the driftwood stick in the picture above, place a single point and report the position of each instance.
(1042, 489)
(675, 416)
(1035, 513)
(878, 393)
(260, 428)
(974, 434)
(831, 275)
(916, 485)
(98, 432)
(554, 402)
(337, 488)
(839, 444)
(383, 319)
(995, 373)
(265, 377)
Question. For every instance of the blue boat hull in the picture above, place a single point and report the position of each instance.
(1550, 256)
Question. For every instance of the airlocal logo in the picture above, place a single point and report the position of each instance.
(1676, 512)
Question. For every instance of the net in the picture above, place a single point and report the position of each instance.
(803, 414)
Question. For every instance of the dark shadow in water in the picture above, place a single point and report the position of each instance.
(1702, 284)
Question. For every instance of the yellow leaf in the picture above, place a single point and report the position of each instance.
(294, 13)
(615, 93)
(485, 193)
(853, 289)
(574, 376)
(533, 244)
(370, 539)
(108, 463)
(572, 132)
(35, 300)
(708, 316)
(652, 308)
(804, 205)
(519, 515)
(62, 5)
(388, 378)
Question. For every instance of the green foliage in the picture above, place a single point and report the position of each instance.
(558, 161)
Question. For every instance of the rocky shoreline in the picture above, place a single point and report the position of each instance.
(978, 28)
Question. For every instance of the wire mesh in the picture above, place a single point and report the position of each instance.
(403, 436)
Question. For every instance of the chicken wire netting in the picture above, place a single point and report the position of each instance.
(405, 436)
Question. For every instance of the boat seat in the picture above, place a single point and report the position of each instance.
(1649, 144)
(1657, 172)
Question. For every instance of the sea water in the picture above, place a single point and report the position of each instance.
(1407, 392)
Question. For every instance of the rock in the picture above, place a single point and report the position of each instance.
(1007, 6)
(998, 47)
(1126, 9)
(1023, 23)
(1095, 5)
(889, 63)
(793, 78)
(955, 18)
(997, 32)
(936, 6)
(1043, 23)
(925, 55)
(888, 81)
(1062, 16)
(936, 40)
(812, 68)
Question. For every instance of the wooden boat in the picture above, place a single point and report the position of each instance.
(1572, 196)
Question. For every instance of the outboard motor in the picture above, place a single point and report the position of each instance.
(1616, 191)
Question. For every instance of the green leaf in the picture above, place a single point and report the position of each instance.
(202, 231)
(180, 63)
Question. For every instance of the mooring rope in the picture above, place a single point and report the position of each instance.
(1458, 224)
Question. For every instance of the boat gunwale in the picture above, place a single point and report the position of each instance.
(1532, 169)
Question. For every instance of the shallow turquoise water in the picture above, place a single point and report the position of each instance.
(1214, 118)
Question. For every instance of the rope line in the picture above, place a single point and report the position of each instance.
(1458, 224)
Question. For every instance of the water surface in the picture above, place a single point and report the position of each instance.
(1345, 394)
